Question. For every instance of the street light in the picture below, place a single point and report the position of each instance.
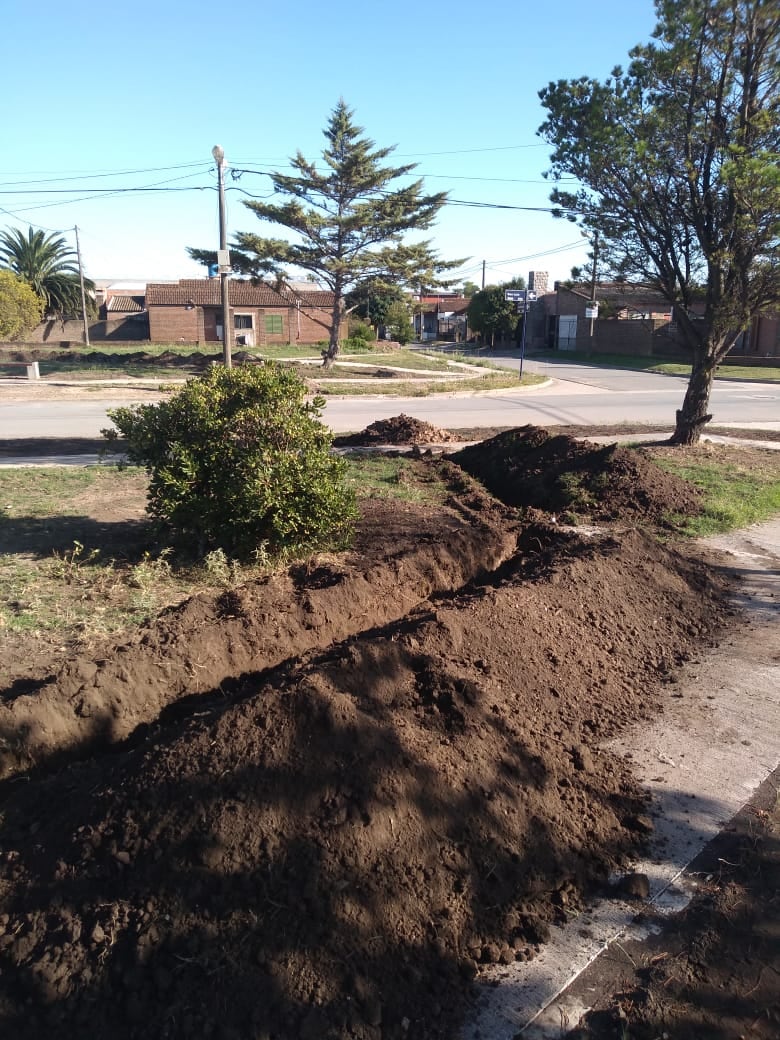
(224, 263)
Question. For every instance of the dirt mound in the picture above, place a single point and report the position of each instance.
(400, 429)
(257, 626)
(329, 850)
(530, 467)
(104, 359)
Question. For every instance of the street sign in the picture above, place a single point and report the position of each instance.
(592, 310)
(518, 295)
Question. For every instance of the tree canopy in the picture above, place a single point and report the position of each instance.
(371, 299)
(49, 266)
(677, 163)
(347, 219)
(20, 308)
(492, 316)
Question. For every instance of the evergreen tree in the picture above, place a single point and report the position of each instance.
(348, 222)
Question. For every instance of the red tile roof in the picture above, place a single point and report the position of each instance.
(206, 292)
(445, 304)
(625, 294)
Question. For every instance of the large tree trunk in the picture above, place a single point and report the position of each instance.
(694, 415)
(330, 355)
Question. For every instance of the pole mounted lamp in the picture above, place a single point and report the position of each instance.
(223, 257)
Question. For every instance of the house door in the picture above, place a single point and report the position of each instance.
(244, 333)
(567, 332)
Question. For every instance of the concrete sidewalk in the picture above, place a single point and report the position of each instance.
(716, 742)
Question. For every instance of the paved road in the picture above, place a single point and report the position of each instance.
(577, 395)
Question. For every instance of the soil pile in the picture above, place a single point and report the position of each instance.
(530, 467)
(398, 563)
(329, 850)
(400, 429)
(138, 358)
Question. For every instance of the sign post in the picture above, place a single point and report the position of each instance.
(517, 296)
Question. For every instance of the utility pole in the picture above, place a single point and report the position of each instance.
(483, 274)
(83, 294)
(593, 277)
(222, 257)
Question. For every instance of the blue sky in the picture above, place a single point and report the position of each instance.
(118, 98)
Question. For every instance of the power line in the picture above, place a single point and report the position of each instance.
(92, 193)
(40, 227)
(494, 264)
(108, 173)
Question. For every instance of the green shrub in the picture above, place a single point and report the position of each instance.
(359, 346)
(238, 459)
(398, 323)
(359, 329)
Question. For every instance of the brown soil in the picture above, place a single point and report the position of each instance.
(400, 560)
(533, 468)
(711, 973)
(137, 358)
(337, 792)
(400, 429)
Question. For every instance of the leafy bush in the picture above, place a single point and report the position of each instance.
(239, 459)
(359, 329)
(20, 308)
(398, 323)
(359, 346)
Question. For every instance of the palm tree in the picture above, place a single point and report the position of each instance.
(49, 266)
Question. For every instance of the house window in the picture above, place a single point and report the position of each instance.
(273, 324)
(242, 321)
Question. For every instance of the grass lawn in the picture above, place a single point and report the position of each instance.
(491, 381)
(380, 370)
(79, 560)
(740, 486)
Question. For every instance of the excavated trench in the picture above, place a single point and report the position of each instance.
(375, 775)
(212, 640)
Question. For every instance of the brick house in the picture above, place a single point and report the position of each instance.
(763, 338)
(190, 311)
(635, 320)
(632, 320)
(443, 317)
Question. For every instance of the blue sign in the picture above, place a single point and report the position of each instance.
(213, 270)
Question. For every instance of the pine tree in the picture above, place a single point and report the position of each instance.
(348, 221)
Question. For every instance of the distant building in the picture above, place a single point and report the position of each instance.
(190, 311)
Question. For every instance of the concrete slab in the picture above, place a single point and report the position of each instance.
(717, 741)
